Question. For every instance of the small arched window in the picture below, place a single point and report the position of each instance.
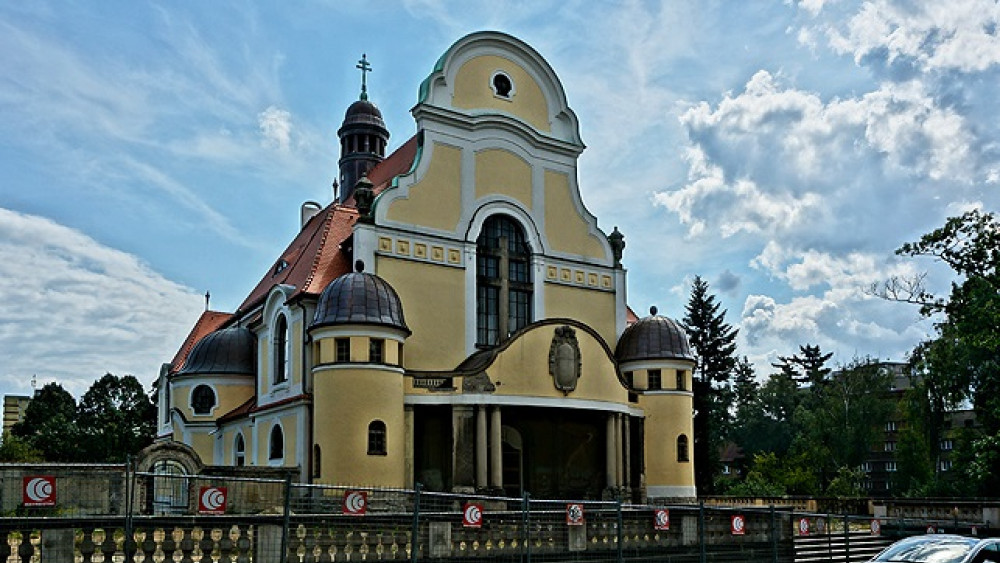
(281, 351)
(682, 448)
(376, 438)
(202, 400)
(240, 451)
(277, 447)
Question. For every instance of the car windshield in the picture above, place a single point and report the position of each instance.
(928, 550)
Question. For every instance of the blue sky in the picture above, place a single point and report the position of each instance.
(782, 150)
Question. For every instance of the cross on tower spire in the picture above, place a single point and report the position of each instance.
(365, 67)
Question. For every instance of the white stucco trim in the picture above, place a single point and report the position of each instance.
(347, 330)
(667, 392)
(657, 364)
(671, 491)
(520, 401)
(374, 368)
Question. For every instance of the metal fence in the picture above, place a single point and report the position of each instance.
(113, 514)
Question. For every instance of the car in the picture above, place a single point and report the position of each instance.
(941, 548)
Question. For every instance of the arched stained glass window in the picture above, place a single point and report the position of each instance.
(503, 280)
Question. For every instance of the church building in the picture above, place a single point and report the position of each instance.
(455, 317)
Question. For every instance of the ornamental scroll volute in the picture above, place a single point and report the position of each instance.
(564, 359)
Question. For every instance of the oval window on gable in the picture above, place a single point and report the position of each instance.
(502, 85)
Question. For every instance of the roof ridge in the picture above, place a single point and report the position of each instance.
(322, 246)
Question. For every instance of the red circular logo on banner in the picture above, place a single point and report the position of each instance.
(39, 490)
(738, 525)
(804, 527)
(574, 514)
(212, 500)
(355, 503)
(472, 515)
(661, 519)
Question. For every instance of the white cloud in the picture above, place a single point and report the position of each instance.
(75, 309)
(276, 127)
(934, 36)
(773, 159)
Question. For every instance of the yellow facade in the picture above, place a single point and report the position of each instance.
(501, 172)
(592, 307)
(567, 232)
(523, 369)
(510, 370)
(431, 302)
(435, 200)
(228, 396)
(668, 416)
(347, 401)
(472, 91)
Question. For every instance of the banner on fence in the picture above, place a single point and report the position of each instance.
(661, 519)
(355, 503)
(472, 515)
(803, 526)
(39, 490)
(574, 514)
(876, 527)
(738, 525)
(212, 500)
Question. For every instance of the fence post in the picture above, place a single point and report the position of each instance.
(525, 523)
(129, 493)
(415, 530)
(286, 523)
(620, 535)
(701, 532)
(829, 537)
(847, 537)
(774, 536)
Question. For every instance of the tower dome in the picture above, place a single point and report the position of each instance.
(225, 351)
(363, 138)
(653, 338)
(359, 298)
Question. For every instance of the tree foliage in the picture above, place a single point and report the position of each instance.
(714, 346)
(18, 450)
(49, 424)
(961, 363)
(116, 417)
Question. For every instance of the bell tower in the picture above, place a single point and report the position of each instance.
(363, 138)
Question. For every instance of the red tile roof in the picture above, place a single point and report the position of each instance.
(239, 411)
(314, 258)
(209, 321)
(396, 164)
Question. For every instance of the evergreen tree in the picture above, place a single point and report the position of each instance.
(713, 340)
(714, 345)
(809, 365)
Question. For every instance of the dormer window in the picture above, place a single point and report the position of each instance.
(280, 267)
